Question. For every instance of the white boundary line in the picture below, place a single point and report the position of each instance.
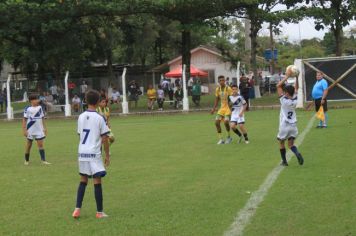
(247, 212)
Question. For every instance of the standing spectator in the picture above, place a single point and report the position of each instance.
(54, 92)
(83, 89)
(104, 94)
(76, 103)
(71, 87)
(179, 96)
(2, 99)
(134, 91)
(171, 93)
(61, 99)
(115, 96)
(165, 86)
(319, 94)
(43, 102)
(196, 92)
(160, 98)
(177, 82)
(151, 97)
(245, 89)
(190, 86)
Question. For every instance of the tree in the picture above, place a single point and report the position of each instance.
(192, 14)
(334, 15)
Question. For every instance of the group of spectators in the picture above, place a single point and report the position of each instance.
(174, 92)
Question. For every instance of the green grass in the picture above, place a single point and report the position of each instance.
(168, 177)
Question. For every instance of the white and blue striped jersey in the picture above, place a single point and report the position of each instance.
(34, 116)
(91, 127)
(238, 103)
(287, 113)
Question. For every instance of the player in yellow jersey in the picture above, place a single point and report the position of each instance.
(222, 94)
(104, 110)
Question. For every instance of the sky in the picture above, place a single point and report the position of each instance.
(307, 30)
(306, 26)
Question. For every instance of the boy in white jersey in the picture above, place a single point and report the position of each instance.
(288, 119)
(34, 127)
(93, 133)
(238, 107)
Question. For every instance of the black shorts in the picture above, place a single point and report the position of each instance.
(318, 104)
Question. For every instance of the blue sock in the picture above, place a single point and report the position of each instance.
(294, 150)
(42, 154)
(98, 197)
(320, 123)
(80, 194)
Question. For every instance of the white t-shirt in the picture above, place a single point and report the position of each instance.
(238, 103)
(76, 100)
(287, 113)
(160, 93)
(54, 90)
(83, 88)
(34, 116)
(115, 95)
(91, 127)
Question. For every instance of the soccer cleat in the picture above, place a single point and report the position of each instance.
(26, 163)
(100, 215)
(45, 163)
(76, 213)
(319, 126)
(324, 126)
(300, 159)
(284, 163)
(228, 140)
(247, 142)
(221, 141)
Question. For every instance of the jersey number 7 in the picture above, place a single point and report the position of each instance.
(86, 131)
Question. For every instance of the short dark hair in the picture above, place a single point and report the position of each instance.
(234, 86)
(289, 89)
(221, 77)
(92, 97)
(32, 97)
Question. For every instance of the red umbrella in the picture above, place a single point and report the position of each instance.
(177, 73)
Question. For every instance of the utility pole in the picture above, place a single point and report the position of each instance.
(247, 34)
(272, 62)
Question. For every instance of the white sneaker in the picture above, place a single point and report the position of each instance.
(100, 215)
(247, 142)
(221, 141)
(26, 163)
(45, 163)
(228, 140)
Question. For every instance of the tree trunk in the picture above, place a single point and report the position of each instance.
(186, 38)
(254, 51)
(338, 34)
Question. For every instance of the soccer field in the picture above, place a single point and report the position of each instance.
(168, 177)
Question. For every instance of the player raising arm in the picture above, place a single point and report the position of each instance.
(288, 118)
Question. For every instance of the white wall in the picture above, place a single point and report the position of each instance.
(205, 60)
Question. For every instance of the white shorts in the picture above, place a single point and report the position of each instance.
(93, 168)
(287, 131)
(237, 119)
(31, 137)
